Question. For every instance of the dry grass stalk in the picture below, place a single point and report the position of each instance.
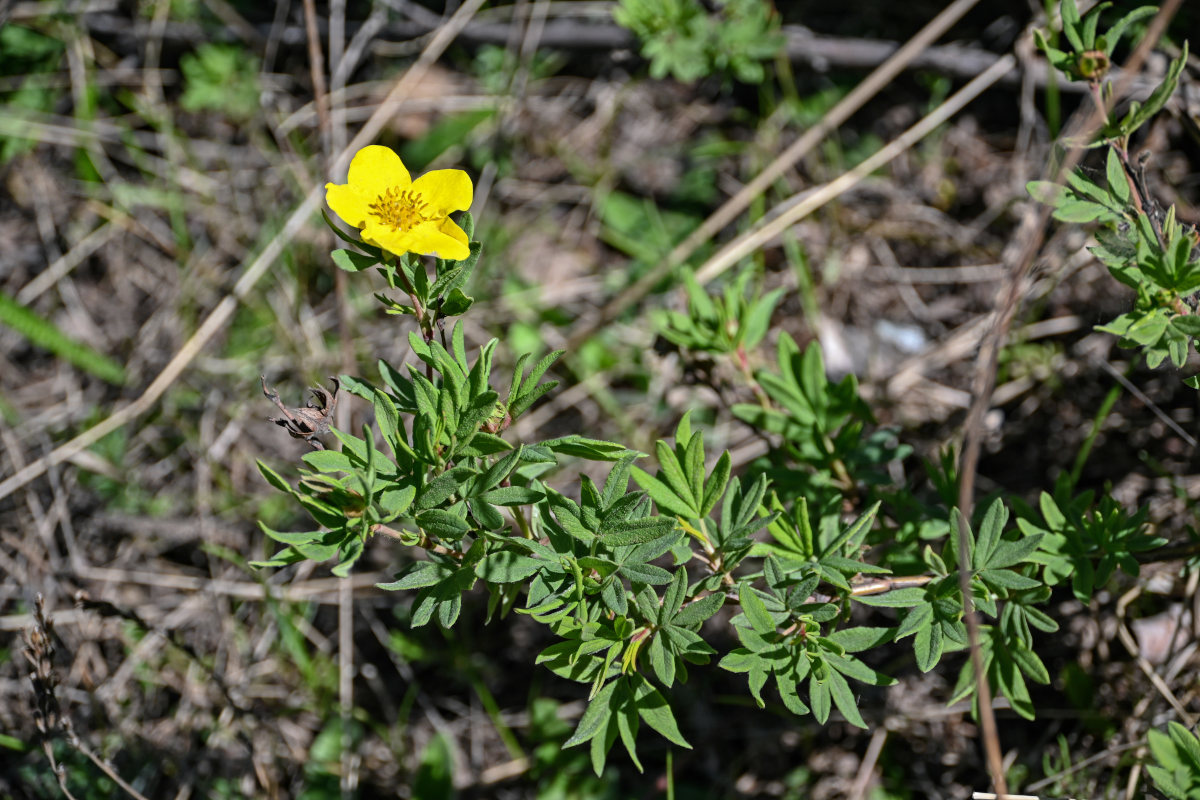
(47, 714)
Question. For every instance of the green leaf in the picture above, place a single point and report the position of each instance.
(499, 470)
(388, 419)
(1188, 746)
(645, 573)
(530, 390)
(284, 558)
(638, 531)
(583, 447)
(595, 716)
(1113, 35)
(927, 647)
(275, 479)
(1089, 25)
(819, 698)
(513, 496)
(664, 496)
(1047, 192)
(1118, 183)
(1008, 579)
(419, 575)
(1074, 210)
(487, 515)
(302, 537)
(1029, 663)
(696, 612)
(1162, 747)
(715, 486)
(788, 690)
(1188, 324)
(989, 533)
(351, 261)
(598, 750)
(444, 486)
(758, 319)
(1008, 554)
(673, 597)
(627, 726)
(661, 661)
(855, 640)
(843, 698)
(1070, 25)
(350, 553)
(1164, 781)
(483, 444)
(755, 610)
(856, 531)
(901, 598)
(328, 461)
(613, 594)
(456, 304)
(444, 524)
(1139, 115)
(919, 617)
(507, 566)
(675, 476)
(1148, 329)
(740, 660)
(853, 668)
(1040, 620)
(653, 709)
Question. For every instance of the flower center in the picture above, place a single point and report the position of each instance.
(401, 209)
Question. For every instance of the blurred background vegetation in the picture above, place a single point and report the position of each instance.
(152, 150)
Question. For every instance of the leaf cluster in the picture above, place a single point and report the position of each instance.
(223, 78)
(729, 324)
(1176, 771)
(1002, 588)
(1086, 542)
(1143, 247)
(1089, 56)
(682, 39)
(626, 577)
(826, 448)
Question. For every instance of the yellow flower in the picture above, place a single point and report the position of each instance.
(399, 214)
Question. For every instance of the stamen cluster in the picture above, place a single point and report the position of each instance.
(401, 209)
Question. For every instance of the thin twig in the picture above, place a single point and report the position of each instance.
(866, 769)
(337, 137)
(1132, 388)
(65, 263)
(799, 206)
(1144, 665)
(316, 69)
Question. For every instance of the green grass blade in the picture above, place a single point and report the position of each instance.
(46, 334)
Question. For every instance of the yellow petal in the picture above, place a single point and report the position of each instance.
(382, 236)
(451, 229)
(375, 169)
(348, 203)
(445, 190)
(425, 239)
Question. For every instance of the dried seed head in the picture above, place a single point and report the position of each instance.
(39, 651)
(310, 421)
